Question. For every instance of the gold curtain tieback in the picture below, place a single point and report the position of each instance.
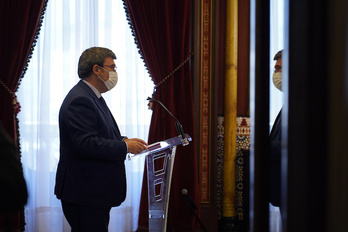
(16, 107)
(172, 72)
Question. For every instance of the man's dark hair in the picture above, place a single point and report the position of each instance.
(91, 57)
(278, 55)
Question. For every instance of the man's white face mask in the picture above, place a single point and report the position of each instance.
(113, 79)
(277, 80)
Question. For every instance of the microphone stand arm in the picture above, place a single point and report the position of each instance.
(178, 125)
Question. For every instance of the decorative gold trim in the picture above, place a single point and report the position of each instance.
(205, 101)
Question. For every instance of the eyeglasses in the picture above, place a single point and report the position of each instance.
(113, 67)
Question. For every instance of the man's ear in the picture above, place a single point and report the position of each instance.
(96, 70)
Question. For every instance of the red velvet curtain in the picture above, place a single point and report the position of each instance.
(20, 22)
(162, 30)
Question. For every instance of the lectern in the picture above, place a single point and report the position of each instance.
(160, 162)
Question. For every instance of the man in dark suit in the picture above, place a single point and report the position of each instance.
(91, 176)
(275, 139)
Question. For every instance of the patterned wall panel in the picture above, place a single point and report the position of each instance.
(242, 167)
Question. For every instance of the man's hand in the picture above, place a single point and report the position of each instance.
(136, 145)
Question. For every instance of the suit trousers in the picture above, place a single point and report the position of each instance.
(86, 219)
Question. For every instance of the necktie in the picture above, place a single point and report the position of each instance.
(109, 116)
(105, 107)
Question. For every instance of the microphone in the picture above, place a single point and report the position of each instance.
(193, 207)
(178, 125)
(188, 199)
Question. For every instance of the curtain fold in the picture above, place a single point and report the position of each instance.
(162, 32)
(20, 27)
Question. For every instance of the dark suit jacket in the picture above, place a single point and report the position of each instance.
(91, 170)
(275, 162)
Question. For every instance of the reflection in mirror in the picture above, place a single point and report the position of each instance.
(276, 103)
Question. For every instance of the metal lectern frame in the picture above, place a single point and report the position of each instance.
(160, 162)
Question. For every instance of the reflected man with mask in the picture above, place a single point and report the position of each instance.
(275, 139)
(91, 174)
